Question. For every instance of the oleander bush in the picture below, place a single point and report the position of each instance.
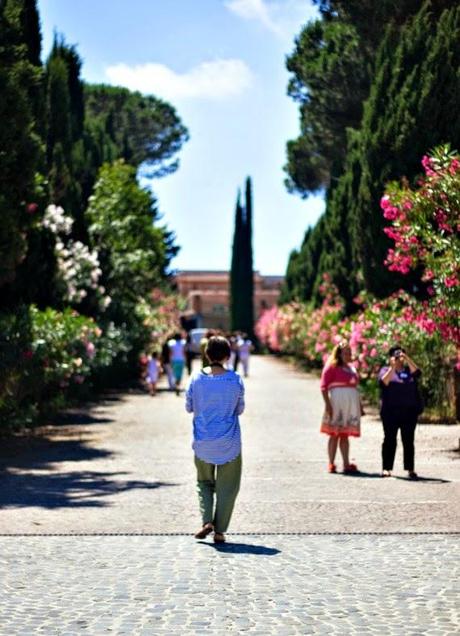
(48, 357)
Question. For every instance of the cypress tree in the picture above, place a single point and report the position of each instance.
(65, 117)
(237, 268)
(248, 281)
(409, 111)
(19, 141)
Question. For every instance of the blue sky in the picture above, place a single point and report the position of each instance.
(221, 64)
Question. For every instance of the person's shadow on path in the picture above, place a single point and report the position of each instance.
(433, 480)
(241, 548)
(361, 474)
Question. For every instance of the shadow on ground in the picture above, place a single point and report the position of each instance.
(30, 475)
(75, 489)
(241, 548)
(420, 478)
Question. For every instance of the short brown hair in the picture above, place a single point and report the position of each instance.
(217, 349)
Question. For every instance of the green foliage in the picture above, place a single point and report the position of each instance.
(409, 110)
(142, 130)
(236, 269)
(413, 52)
(46, 358)
(330, 80)
(19, 142)
(132, 250)
(65, 114)
(241, 272)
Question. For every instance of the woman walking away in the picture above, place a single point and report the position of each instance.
(400, 407)
(177, 352)
(342, 417)
(215, 396)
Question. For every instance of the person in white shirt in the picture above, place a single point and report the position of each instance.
(152, 373)
(177, 358)
(245, 347)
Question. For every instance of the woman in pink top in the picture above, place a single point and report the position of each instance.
(343, 410)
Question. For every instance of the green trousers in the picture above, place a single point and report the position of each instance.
(221, 482)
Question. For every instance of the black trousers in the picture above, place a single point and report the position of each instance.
(394, 419)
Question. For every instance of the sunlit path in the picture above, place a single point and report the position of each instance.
(127, 466)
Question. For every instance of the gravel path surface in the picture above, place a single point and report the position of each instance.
(126, 466)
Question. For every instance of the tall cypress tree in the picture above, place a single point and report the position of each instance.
(241, 273)
(248, 296)
(19, 141)
(237, 268)
(65, 117)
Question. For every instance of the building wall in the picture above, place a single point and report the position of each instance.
(208, 297)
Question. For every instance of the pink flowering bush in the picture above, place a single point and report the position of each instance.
(47, 357)
(425, 229)
(159, 316)
(310, 334)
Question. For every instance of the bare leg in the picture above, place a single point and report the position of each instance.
(332, 447)
(345, 449)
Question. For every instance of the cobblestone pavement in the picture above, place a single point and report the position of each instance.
(151, 585)
(126, 466)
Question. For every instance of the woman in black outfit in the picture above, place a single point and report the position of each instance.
(400, 407)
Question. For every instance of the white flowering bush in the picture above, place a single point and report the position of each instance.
(78, 266)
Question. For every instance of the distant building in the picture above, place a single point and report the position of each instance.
(208, 296)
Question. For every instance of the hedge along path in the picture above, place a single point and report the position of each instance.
(125, 466)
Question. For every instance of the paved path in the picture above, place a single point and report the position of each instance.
(126, 467)
(149, 586)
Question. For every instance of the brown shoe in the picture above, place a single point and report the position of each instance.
(205, 530)
(219, 537)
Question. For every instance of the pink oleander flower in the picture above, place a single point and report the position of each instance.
(391, 213)
(451, 281)
(428, 166)
(454, 166)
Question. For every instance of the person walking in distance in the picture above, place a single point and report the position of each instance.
(177, 353)
(166, 364)
(343, 409)
(215, 396)
(152, 372)
(245, 347)
(401, 405)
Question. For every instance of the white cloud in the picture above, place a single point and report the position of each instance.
(253, 10)
(282, 17)
(209, 80)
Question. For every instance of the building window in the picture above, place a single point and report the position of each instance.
(219, 309)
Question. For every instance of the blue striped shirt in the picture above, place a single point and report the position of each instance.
(216, 401)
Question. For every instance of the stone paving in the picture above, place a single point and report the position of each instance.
(281, 585)
(387, 562)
